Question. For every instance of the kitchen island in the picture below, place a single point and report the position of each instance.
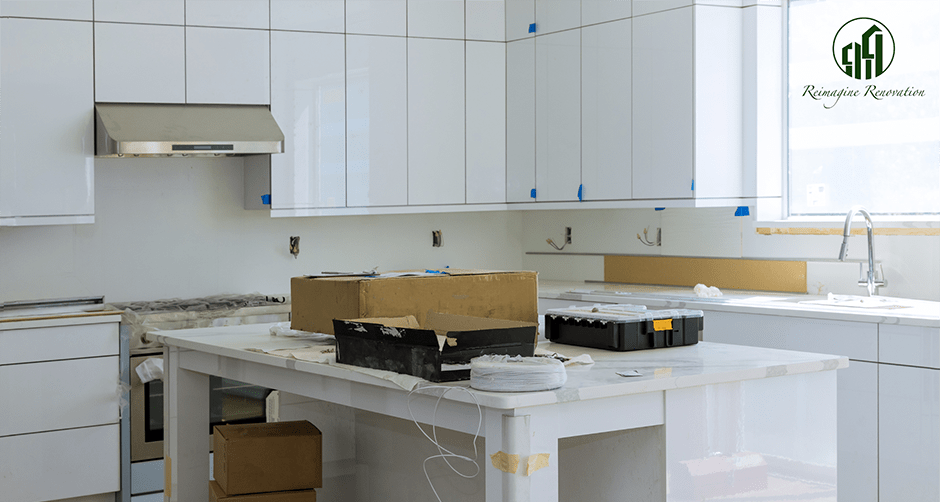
(889, 396)
(702, 421)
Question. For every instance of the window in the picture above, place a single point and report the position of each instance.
(864, 107)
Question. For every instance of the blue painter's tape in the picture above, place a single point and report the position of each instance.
(580, 192)
(742, 211)
(693, 185)
(266, 199)
(532, 28)
(532, 193)
(659, 208)
(434, 272)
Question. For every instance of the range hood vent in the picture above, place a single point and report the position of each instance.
(169, 130)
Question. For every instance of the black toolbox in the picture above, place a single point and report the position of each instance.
(623, 327)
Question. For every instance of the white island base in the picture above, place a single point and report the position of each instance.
(703, 422)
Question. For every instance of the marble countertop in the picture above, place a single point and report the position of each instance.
(919, 313)
(660, 369)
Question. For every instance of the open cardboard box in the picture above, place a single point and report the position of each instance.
(317, 300)
(439, 351)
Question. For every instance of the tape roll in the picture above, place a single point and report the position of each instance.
(516, 373)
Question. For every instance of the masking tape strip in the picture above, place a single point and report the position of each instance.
(505, 462)
(510, 463)
(167, 477)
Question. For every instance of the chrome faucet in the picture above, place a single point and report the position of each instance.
(864, 280)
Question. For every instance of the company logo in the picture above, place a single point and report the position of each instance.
(863, 48)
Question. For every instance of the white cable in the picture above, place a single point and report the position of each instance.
(516, 373)
(444, 453)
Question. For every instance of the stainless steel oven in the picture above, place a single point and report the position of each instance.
(230, 402)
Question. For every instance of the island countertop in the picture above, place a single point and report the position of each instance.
(918, 313)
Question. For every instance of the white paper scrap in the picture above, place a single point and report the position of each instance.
(629, 373)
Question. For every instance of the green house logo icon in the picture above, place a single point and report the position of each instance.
(863, 48)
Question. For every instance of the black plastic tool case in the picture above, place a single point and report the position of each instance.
(623, 327)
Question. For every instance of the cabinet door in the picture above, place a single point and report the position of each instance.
(486, 122)
(47, 81)
(377, 121)
(558, 116)
(663, 83)
(227, 66)
(79, 10)
(908, 433)
(309, 104)
(520, 121)
(377, 17)
(719, 102)
(436, 18)
(161, 80)
(308, 15)
(141, 11)
(228, 14)
(858, 432)
(436, 123)
(606, 161)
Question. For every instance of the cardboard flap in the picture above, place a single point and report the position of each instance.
(444, 323)
(369, 330)
(394, 322)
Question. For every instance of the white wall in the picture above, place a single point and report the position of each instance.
(911, 263)
(176, 228)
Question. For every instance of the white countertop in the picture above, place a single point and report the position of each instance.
(921, 313)
(661, 369)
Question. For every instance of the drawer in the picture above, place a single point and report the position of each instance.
(60, 464)
(58, 395)
(58, 342)
(910, 345)
(857, 340)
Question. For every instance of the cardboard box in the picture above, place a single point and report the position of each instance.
(217, 494)
(256, 458)
(317, 300)
(439, 351)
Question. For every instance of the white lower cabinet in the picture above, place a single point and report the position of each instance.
(857, 395)
(909, 433)
(59, 409)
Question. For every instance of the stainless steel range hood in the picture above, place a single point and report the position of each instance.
(170, 130)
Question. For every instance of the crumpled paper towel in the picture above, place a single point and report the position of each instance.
(151, 369)
(703, 291)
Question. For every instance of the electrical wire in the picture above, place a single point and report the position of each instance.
(444, 453)
(645, 239)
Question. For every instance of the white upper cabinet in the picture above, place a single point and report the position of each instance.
(606, 163)
(601, 11)
(157, 55)
(557, 15)
(227, 66)
(376, 121)
(663, 88)
(47, 122)
(520, 121)
(558, 116)
(228, 13)
(436, 122)
(486, 20)
(436, 18)
(486, 122)
(377, 17)
(520, 18)
(308, 15)
(688, 104)
(141, 11)
(308, 102)
(79, 10)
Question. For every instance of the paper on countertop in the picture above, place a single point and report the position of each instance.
(326, 354)
(703, 291)
(284, 329)
(629, 373)
(584, 359)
